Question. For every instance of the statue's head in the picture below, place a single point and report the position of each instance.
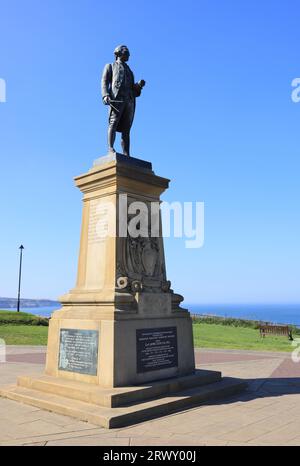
(122, 52)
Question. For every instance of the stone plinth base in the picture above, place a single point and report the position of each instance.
(122, 358)
(118, 407)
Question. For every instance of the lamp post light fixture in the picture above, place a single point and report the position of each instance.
(20, 276)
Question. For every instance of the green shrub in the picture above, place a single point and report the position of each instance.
(233, 322)
(21, 318)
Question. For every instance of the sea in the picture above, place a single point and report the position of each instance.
(273, 313)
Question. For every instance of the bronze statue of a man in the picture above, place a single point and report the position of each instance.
(119, 92)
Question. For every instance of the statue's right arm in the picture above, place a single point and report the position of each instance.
(106, 80)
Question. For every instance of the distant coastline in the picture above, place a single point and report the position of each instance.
(288, 314)
(11, 303)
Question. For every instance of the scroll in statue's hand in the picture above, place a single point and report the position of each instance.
(142, 83)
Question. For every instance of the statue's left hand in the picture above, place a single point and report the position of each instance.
(142, 83)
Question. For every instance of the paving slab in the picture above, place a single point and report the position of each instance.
(267, 414)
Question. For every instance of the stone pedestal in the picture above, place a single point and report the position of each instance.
(121, 344)
(122, 292)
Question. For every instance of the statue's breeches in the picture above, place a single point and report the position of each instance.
(121, 121)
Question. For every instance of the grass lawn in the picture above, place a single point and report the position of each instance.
(22, 328)
(16, 334)
(27, 329)
(225, 336)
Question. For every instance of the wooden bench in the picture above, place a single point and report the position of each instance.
(269, 329)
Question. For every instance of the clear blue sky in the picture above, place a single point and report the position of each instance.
(216, 117)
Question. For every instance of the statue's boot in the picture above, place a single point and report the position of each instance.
(125, 143)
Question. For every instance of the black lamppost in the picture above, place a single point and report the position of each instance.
(20, 275)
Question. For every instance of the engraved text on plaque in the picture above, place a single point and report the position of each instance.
(78, 351)
(156, 348)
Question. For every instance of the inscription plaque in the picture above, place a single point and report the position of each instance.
(78, 351)
(98, 221)
(156, 348)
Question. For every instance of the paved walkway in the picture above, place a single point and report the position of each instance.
(268, 413)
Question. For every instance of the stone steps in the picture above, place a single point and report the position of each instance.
(130, 414)
(121, 396)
